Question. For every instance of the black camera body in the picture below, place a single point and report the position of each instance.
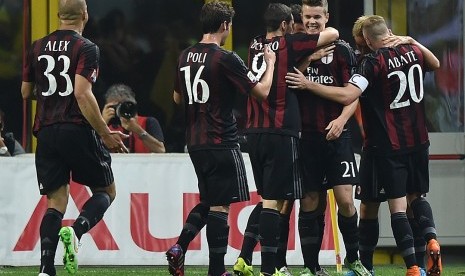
(125, 109)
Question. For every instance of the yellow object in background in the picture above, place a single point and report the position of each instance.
(335, 227)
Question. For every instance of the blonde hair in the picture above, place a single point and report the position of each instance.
(357, 29)
(375, 27)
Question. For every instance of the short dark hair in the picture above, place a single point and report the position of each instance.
(296, 10)
(316, 3)
(275, 14)
(213, 14)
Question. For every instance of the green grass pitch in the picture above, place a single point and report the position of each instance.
(384, 270)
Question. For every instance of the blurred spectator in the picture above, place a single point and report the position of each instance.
(120, 113)
(119, 53)
(8, 145)
(11, 45)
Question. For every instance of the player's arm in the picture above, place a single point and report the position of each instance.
(327, 36)
(343, 95)
(336, 126)
(27, 85)
(317, 55)
(177, 97)
(431, 61)
(27, 89)
(90, 110)
(262, 89)
(177, 94)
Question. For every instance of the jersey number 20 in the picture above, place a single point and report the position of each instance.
(407, 81)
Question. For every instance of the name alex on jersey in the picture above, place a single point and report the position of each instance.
(57, 46)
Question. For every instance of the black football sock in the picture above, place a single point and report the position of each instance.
(269, 236)
(424, 216)
(309, 232)
(419, 242)
(283, 239)
(92, 212)
(49, 229)
(404, 237)
(350, 235)
(369, 234)
(251, 235)
(195, 221)
(217, 237)
(321, 224)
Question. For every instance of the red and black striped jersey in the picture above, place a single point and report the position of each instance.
(392, 105)
(279, 113)
(333, 70)
(51, 64)
(208, 78)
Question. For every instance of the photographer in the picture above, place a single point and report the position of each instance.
(120, 113)
(8, 145)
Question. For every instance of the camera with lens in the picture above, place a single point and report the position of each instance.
(126, 109)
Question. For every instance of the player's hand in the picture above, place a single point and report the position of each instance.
(395, 40)
(322, 52)
(296, 80)
(113, 140)
(269, 55)
(335, 128)
(109, 111)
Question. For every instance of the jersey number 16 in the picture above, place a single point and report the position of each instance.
(192, 91)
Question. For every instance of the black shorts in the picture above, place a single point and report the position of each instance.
(65, 150)
(221, 176)
(276, 165)
(328, 163)
(372, 190)
(389, 177)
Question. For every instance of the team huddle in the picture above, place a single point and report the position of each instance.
(302, 85)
